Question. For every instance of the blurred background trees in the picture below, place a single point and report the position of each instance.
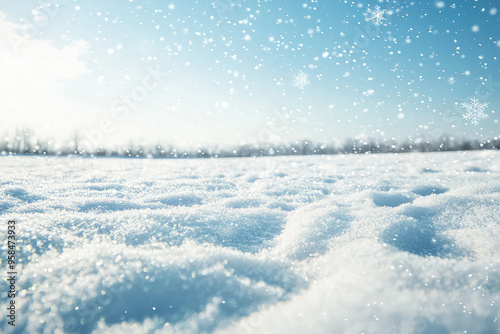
(23, 141)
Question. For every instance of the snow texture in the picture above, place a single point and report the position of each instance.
(335, 244)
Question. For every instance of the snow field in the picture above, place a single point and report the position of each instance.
(405, 243)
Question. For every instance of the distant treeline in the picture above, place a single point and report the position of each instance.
(24, 142)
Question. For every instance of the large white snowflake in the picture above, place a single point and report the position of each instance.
(300, 80)
(475, 110)
(376, 16)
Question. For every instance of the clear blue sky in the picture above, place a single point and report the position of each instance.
(231, 69)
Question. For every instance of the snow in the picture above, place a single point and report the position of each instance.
(376, 16)
(475, 111)
(301, 80)
(406, 243)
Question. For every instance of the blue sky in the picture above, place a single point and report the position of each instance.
(228, 71)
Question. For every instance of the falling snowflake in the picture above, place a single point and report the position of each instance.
(475, 110)
(300, 80)
(451, 80)
(376, 16)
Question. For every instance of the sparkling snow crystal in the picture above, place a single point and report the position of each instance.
(451, 80)
(376, 16)
(475, 111)
(300, 80)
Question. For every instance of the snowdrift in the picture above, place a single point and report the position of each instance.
(405, 243)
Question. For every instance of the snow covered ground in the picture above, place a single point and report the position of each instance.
(405, 243)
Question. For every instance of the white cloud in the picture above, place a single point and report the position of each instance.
(34, 74)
